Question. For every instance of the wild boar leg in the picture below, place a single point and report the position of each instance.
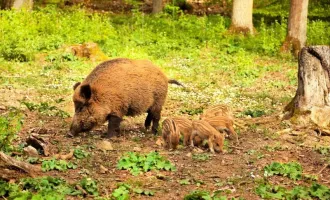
(233, 134)
(155, 119)
(210, 143)
(149, 118)
(191, 139)
(186, 138)
(113, 126)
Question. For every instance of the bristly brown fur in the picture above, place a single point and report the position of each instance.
(185, 127)
(116, 88)
(170, 133)
(205, 131)
(218, 110)
(222, 123)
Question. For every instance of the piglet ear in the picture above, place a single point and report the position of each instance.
(86, 91)
(76, 85)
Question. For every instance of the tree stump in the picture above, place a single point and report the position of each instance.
(312, 97)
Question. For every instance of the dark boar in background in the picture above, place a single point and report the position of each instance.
(116, 88)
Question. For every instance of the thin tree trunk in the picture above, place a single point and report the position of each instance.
(23, 4)
(241, 20)
(17, 4)
(313, 92)
(157, 6)
(297, 27)
(6, 4)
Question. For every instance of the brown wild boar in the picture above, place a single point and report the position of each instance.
(222, 123)
(217, 110)
(117, 88)
(170, 133)
(205, 131)
(185, 127)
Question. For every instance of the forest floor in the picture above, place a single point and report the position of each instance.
(237, 172)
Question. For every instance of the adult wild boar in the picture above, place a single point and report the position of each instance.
(117, 88)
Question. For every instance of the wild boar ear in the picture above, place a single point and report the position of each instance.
(76, 85)
(86, 91)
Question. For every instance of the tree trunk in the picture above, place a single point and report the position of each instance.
(157, 6)
(6, 4)
(241, 19)
(297, 27)
(313, 92)
(17, 4)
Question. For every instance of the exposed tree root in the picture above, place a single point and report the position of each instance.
(8, 161)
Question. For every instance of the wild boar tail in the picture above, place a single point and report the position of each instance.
(173, 81)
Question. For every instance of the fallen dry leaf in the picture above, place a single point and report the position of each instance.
(104, 145)
(159, 142)
(103, 169)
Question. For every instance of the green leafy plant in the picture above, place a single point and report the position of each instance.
(293, 170)
(204, 195)
(201, 157)
(33, 160)
(254, 113)
(46, 109)
(60, 165)
(37, 188)
(184, 182)
(323, 150)
(10, 125)
(137, 163)
(80, 153)
(192, 111)
(90, 186)
(8, 189)
(48, 184)
(143, 192)
(122, 192)
(267, 191)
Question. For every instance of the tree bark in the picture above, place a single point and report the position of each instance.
(17, 4)
(6, 4)
(313, 92)
(157, 6)
(297, 27)
(241, 19)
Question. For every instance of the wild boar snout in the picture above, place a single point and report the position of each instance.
(81, 125)
(218, 143)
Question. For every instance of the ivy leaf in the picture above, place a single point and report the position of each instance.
(138, 191)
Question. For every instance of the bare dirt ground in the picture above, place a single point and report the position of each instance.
(237, 171)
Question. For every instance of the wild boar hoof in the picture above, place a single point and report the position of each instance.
(69, 134)
(111, 134)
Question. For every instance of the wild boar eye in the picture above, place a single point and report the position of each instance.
(79, 109)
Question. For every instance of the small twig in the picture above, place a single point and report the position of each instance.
(323, 168)
(324, 132)
(234, 147)
(287, 130)
(81, 189)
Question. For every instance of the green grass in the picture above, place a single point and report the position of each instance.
(215, 66)
(10, 124)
